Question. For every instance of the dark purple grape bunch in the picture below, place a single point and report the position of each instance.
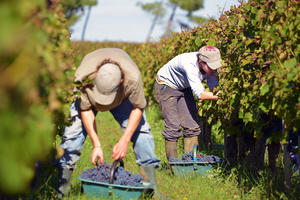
(121, 176)
(99, 174)
(188, 157)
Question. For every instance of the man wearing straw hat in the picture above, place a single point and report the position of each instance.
(110, 81)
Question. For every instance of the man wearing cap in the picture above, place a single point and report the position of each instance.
(110, 81)
(175, 84)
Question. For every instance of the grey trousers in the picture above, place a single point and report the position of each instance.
(179, 112)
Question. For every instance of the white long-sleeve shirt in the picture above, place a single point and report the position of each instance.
(183, 72)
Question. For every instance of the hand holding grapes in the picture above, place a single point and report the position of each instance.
(97, 155)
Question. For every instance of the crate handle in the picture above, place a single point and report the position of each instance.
(113, 168)
(195, 156)
(195, 152)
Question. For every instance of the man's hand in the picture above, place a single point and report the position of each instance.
(208, 96)
(97, 155)
(120, 150)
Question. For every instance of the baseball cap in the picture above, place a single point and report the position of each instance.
(107, 83)
(211, 55)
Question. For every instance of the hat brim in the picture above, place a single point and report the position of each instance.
(104, 99)
(214, 65)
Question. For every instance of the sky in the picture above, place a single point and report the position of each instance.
(123, 20)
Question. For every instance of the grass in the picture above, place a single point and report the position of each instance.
(220, 183)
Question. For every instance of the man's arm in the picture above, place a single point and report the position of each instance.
(88, 120)
(208, 96)
(121, 148)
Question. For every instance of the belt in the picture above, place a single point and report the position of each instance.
(160, 82)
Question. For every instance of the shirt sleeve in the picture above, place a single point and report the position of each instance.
(84, 100)
(195, 79)
(137, 96)
(212, 81)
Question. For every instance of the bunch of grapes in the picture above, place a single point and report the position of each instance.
(121, 176)
(188, 157)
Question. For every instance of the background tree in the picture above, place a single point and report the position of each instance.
(74, 9)
(156, 8)
(86, 22)
(189, 5)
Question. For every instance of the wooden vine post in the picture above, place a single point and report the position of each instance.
(287, 167)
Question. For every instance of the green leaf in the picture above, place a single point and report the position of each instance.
(249, 41)
(211, 42)
(291, 63)
(246, 84)
(264, 89)
(241, 114)
(246, 61)
(198, 41)
(263, 108)
(248, 117)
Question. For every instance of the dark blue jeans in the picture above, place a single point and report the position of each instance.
(75, 135)
(179, 112)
